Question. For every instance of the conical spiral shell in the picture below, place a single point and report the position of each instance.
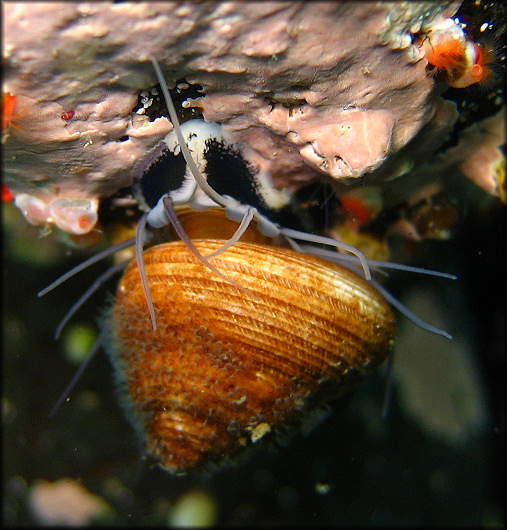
(224, 368)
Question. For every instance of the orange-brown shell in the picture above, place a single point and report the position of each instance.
(223, 368)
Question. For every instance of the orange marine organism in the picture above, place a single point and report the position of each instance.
(10, 114)
(465, 62)
(8, 107)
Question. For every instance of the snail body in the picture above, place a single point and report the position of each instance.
(223, 369)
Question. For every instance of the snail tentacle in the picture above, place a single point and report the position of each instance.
(173, 218)
(390, 299)
(294, 245)
(84, 297)
(236, 211)
(141, 229)
(95, 348)
(243, 225)
(388, 389)
(87, 263)
(347, 261)
(313, 238)
(340, 258)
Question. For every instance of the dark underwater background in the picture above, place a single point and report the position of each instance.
(437, 458)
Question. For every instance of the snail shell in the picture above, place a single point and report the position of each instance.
(224, 369)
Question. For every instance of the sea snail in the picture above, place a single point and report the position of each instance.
(223, 369)
(217, 342)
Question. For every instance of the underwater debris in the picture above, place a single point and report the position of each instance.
(66, 502)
